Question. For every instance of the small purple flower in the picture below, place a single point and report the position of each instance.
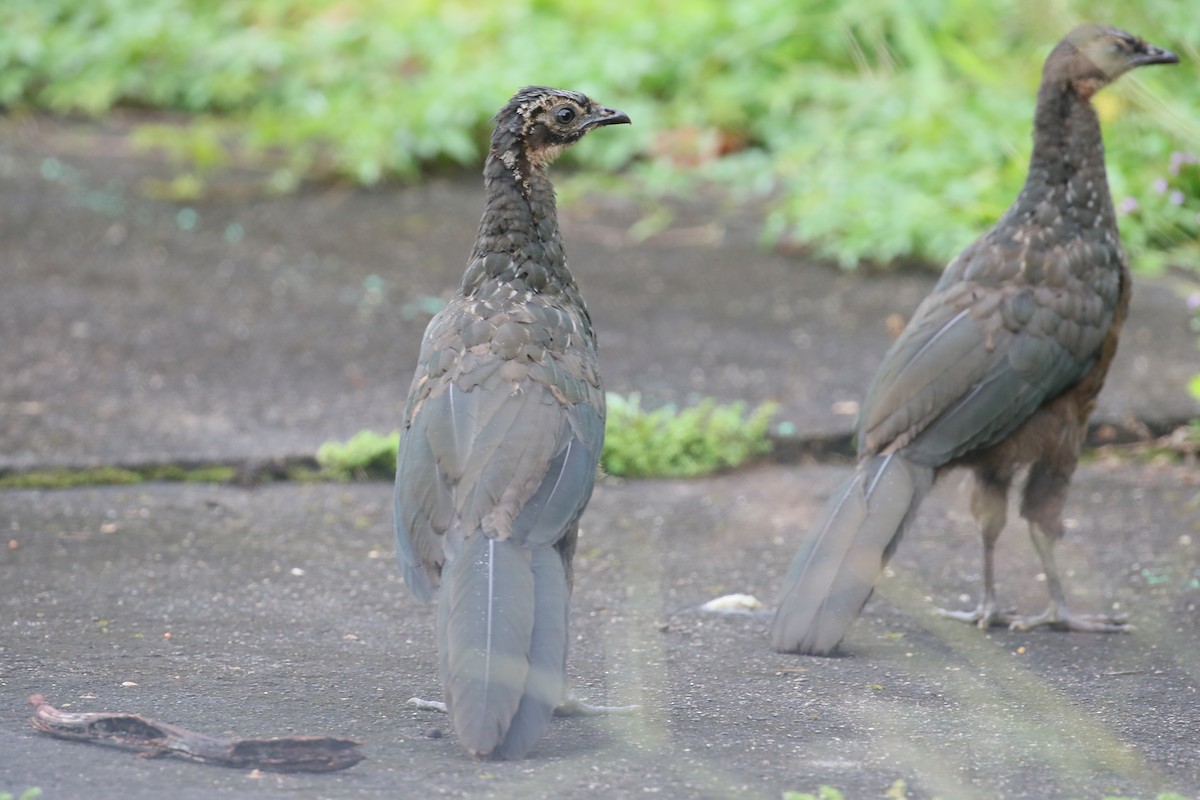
(1128, 205)
(1193, 301)
(1176, 198)
(1160, 186)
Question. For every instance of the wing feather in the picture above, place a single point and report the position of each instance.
(972, 365)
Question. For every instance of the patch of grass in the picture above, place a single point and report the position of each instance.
(671, 442)
(367, 455)
(823, 793)
(116, 476)
(69, 478)
(171, 473)
(32, 793)
(667, 442)
(302, 474)
(878, 130)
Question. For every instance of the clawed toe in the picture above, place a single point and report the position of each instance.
(983, 616)
(1082, 624)
(1056, 617)
(1059, 618)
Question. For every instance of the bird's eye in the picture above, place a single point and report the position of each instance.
(564, 114)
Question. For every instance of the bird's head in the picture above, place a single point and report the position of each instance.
(1093, 56)
(538, 123)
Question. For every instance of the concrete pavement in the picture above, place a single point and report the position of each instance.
(138, 331)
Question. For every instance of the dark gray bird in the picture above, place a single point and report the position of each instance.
(501, 439)
(999, 367)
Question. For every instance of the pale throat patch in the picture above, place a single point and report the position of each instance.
(509, 159)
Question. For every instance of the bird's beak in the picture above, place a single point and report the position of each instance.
(1154, 55)
(607, 116)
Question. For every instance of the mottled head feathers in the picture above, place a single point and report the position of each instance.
(1092, 56)
(539, 122)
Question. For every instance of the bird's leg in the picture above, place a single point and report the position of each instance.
(1057, 615)
(1042, 504)
(989, 506)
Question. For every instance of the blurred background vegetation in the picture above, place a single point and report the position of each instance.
(874, 130)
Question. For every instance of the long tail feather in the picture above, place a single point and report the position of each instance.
(502, 636)
(485, 628)
(834, 572)
(546, 683)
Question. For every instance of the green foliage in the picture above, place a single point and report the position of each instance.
(823, 793)
(1166, 219)
(663, 443)
(32, 793)
(69, 478)
(881, 131)
(693, 441)
(366, 455)
(66, 478)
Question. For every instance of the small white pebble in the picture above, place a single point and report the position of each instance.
(845, 408)
(733, 604)
(297, 571)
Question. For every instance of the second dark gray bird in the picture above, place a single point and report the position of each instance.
(998, 368)
(501, 439)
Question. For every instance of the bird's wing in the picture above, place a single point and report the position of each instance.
(503, 433)
(991, 344)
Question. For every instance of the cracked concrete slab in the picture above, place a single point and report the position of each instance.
(144, 331)
(278, 611)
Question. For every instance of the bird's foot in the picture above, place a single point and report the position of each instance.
(1060, 618)
(574, 707)
(427, 705)
(984, 616)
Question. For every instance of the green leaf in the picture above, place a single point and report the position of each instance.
(366, 455)
(872, 131)
(668, 442)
